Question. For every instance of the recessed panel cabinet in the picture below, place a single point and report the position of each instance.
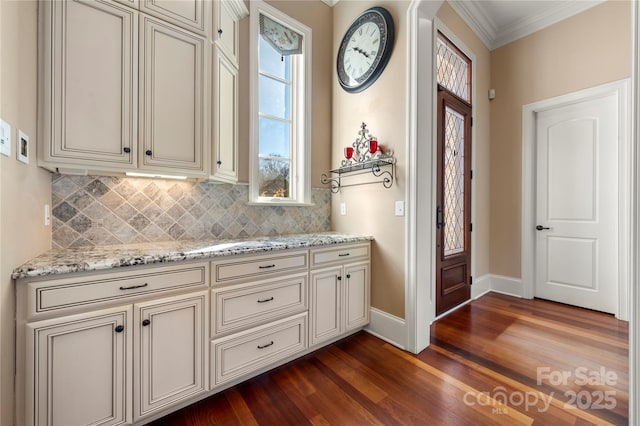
(82, 369)
(170, 351)
(121, 90)
(339, 291)
(224, 166)
(89, 84)
(172, 98)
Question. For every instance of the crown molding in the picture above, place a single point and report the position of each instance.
(330, 3)
(493, 37)
(476, 17)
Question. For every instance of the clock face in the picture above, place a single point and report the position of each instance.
(365, 49)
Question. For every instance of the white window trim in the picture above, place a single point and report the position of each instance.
(300, 105)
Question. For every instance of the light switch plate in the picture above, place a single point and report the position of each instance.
(399, 208)
(343, 209)
(5, 138)
(22, 147)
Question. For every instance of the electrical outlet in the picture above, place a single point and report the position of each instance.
(5, 138)
(343, 209)
(399, 208)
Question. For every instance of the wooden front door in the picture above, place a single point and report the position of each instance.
(453, 216)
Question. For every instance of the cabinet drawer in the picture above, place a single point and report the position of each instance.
(247, 305)
(236, 270)
(246, 352)
(341, 254)
(70, 292)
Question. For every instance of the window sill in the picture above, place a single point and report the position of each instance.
(271, 203)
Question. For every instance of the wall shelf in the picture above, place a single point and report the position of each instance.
(381, 168)
(364, 155)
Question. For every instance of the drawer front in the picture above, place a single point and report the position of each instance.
(347, 253)
(247, 305)
(244, 353)
(237, 270)
(99, 288)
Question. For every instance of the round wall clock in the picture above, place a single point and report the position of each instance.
(365, 49)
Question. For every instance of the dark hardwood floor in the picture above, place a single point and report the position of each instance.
(497, 360)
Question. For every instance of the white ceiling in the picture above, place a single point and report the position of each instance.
(498, 22)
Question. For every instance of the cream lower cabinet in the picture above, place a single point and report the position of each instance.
(170, 351)
(112, 348)
(81, 369)
(259, 317)
(339, 292)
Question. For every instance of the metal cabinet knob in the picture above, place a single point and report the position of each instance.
(220, 31)
(119, 329)
(146, 323)
(126, 150)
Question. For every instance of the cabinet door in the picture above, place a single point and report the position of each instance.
(88, 95)
(173, 104)
(171, 351)
(324, 306)
(356, 295)
(80, 369)
(225, 33)
(224, 166)
(192, 15)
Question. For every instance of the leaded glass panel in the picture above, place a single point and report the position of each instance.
(453, 182)
(453, 69)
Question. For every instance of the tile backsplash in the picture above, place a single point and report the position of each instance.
(97, 210)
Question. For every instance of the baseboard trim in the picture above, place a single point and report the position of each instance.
(480, 286)
(388, 327)
(507, 285)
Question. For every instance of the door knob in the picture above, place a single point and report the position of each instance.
(540, 227)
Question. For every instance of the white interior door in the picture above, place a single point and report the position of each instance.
(577, 204)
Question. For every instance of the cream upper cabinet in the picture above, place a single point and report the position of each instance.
(88, 84)
(225, 33)
(188, 14)
(171, 350)
(173, 100)
(121, 90)
(224, 123)
(80, 369)
(224, 165)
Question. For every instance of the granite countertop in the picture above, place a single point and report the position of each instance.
(98, 258)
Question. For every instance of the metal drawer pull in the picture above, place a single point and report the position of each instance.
(134, 286)
(266, 300)
(343, 254)
(267, 266)
(265, 346)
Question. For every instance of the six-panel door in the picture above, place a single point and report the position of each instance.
(81, 369)
(171, 351)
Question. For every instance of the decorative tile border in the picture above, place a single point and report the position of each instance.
(99, 210)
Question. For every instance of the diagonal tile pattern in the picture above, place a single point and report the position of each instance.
(99, 210)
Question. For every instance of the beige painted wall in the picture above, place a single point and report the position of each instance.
(587, 50)
(318, 16)
(383, 106)
(25, 189)
(481, 137)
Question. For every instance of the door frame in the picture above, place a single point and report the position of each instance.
(622, 89)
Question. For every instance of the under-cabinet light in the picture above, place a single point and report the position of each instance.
(149, 175)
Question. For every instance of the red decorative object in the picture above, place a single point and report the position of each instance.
(348, 152)
(373, 146)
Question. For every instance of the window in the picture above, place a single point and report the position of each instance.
(280, 108)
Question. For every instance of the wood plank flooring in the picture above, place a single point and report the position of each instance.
(497, 360)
